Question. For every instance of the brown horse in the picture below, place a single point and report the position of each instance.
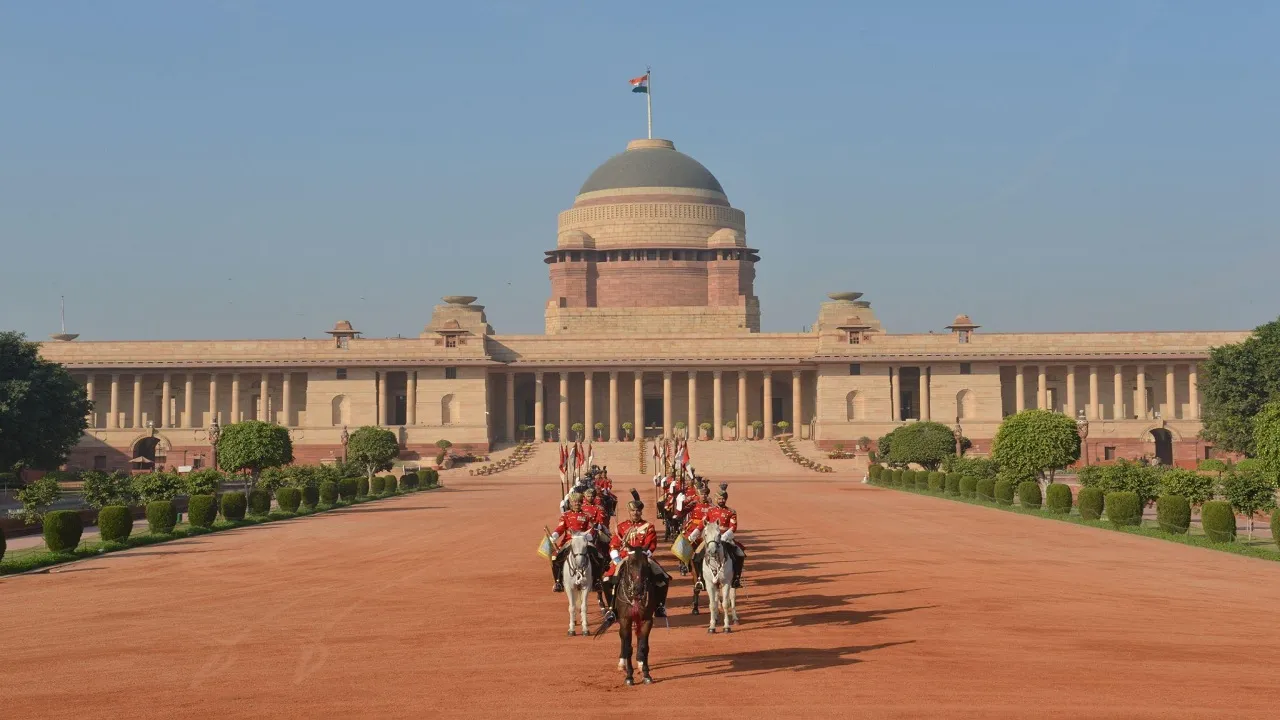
(634, 604)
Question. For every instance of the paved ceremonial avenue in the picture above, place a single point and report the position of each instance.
(860, 602)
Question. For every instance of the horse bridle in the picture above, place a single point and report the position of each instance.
(578, 570)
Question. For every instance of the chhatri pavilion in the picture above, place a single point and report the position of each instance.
(613, 352)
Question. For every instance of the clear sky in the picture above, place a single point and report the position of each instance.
(262, 169)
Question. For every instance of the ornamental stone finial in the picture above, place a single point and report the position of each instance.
(215, 431)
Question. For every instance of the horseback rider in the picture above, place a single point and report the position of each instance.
(693, 527)
(635, 535)
(725, 516)
(575, 520)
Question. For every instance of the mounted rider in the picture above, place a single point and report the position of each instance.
(574, 520)
(696, 523)
(727, 518)
(635, 534)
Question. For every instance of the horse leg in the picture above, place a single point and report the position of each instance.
(711, 607)
(568, 591)
(695, 599)
(582, 610)
(643, 651)
(733, 604)
(724, 606)
(624, 630)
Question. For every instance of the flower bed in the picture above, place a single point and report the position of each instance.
(524, 450)
(788, 449)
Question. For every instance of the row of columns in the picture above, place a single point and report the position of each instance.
(895, 388)
(615, 428)
(1093, 410)
(384, 398)
(187, 417)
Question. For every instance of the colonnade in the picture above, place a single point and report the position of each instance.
(186, 416)
(1093, 408)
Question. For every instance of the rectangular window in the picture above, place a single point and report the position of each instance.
(855, 369)
(855, 337)
(964, 336)
(342, 373)
(451, 373)
(1208, 453)
(99, 462)
(1108, 453)
(966, 369)
(343, 342)
(451, 341)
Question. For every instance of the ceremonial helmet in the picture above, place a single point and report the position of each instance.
(723, 492)
(636, 503)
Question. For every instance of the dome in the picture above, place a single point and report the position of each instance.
(651, 163)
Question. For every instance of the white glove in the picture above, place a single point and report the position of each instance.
(613, 554)
(555, 536)
(693, 536)
(727, 536)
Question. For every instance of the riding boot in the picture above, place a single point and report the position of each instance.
(609, 615)
(660, 592)
(738, 559)
(556, 566)
(697, 571)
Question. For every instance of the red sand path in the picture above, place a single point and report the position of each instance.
(435, 605)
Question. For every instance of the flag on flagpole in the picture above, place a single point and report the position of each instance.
(582, 457)
(562, 459)
(640, 84)
(684, 457)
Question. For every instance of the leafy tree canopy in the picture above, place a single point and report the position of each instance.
(927, 444)
(100, 489)
(1196, 488)
(42, 408)
(36, 499)
(373, 448)
(150, 487)
(1250, 491)
(204, 481)
(1034, 442)
(1236, 382)
(1266, 435)
(254, 445)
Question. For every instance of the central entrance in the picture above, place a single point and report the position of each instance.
(1164, 445)
(653, 417)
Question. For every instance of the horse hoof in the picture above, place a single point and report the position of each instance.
(728, 630)
(648, 680)
(711, 631)
(569, 634)
(629, 682)
(586, 632)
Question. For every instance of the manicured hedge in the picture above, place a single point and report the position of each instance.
(937, 481)
(985, 489)
(1090, 502)
(233, 506)
(259, 502)
(390, 486)
(1004, 492)
(289, 499)
(873, 473)
(922, 480)
(161, 517)
(328, 492)
(362, 487)
(62, 530)
(378, 484)
(968, 486)
(433, 477)
(409, 482)
(347, 488)
(2, 545)
(1124, 508)
(1218, 520)
(311, 495)
(1029, 494)
(896, 477)
(1173, 513)
(1275, 531)
(952, 485)
(1057, 498)
(115, 523)
(202, 510)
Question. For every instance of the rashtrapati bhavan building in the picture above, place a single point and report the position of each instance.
(615, 352)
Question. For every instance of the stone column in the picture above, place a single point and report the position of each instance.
(742, 405)
(638, 403)
(692, 432)
(213, 396)
(539, 416)
(588, 405)
(511, 406)
(137, 401)
(768, 403)
(384, 414)
(89, 391)
(165, 391)
(285, 410)
(1118, 390)
(1140, 393)
(188, 401)
(667, 427)
(113, 420)
(411, 397)
(717, 405)
(1019, 389)
(564, 405)
(1170, 393)
(615, 432)
(1042, 387)
(895, 393)
(796, 408)
(924, 393)
(264, 394)
(235, 397)
(1095, 412)
(1071, 391)
(1193, 393)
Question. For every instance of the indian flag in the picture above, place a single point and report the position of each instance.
(640, 84)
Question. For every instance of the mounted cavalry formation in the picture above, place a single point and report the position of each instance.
(619, 566)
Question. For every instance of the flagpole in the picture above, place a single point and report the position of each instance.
(648, 98)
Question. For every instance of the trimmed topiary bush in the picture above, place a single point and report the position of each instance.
(161, 517)
(347, 489)
(62, 530)
(115, 523)
(1057, 497)
(233, 506)
(328, 492)
(1275, 531)
(378, 484)
(937, 481)
(952, 484)
(409, 482)
(1173, 513)
(1029, 495)
(1218, 520)
(968, 486)
(202, 510)
(259, 502)
(391, 486)
(311, 496)
(1004, 492)
(1124, 508)
(362, 487)
(1090, 501)
(873, 473)
(985, 490)
(922, 479)
(896, 477)
(289, 499)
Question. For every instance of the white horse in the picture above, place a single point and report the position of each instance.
(717, 577)
(577, 576)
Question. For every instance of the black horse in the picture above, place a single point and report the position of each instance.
(634, 603)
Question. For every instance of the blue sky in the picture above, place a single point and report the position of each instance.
(262, 169)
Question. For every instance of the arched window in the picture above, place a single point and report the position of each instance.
(851, 402)
(341, 410)
(449, 410)
(965, 404)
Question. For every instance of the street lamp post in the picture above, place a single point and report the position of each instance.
(345, 437)
(1082, 427)
(215, 433)
(958, 433)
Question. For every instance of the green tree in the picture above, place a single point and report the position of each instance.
(1236, 382)
(42, 408)
(1213, 465)
(204, 481)
(1196, 488)
(1134, 477)
(1035, 442)
(254, 445)
(101, 489)
(1250, 491)
(150, 487)
(927, 444)
(1266, 435)
(373, 449)
(36, 499)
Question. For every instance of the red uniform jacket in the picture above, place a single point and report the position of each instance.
(572, 522)
(595, 511)
(604, 484)
(634, 536)
(725, 517)
(697, 520)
